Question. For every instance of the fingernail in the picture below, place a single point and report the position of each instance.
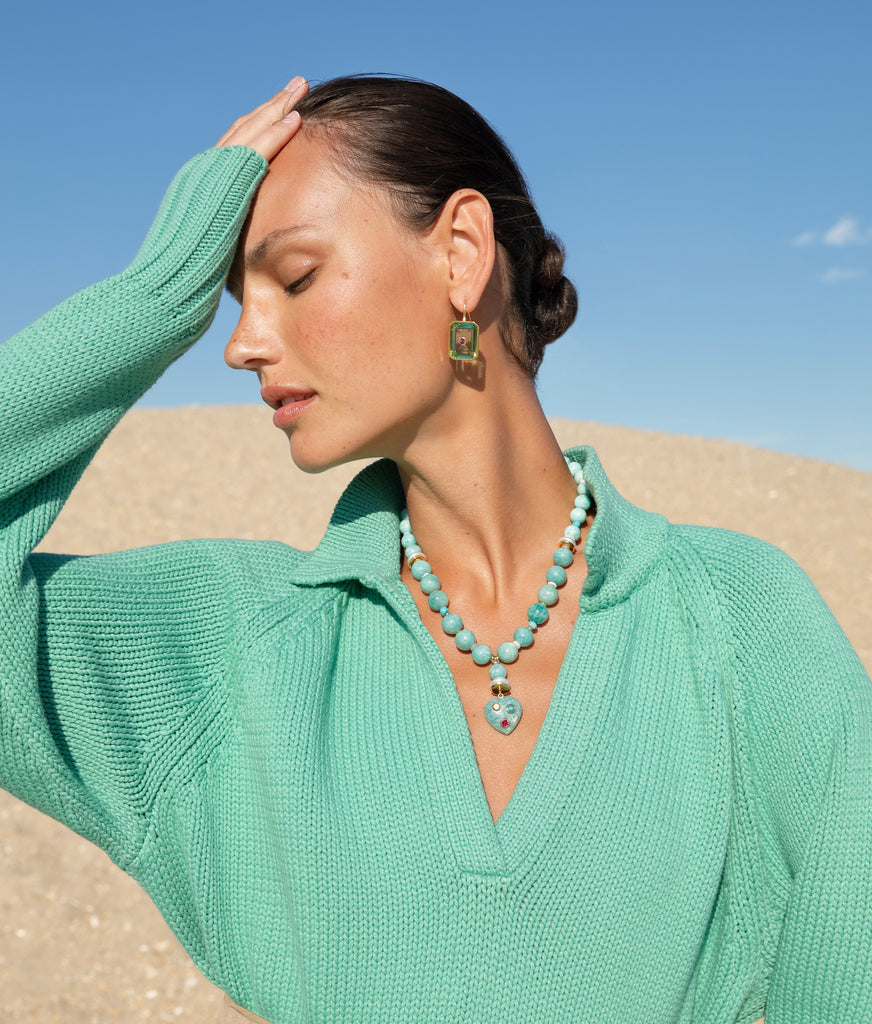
(294, 84)
(290, 118)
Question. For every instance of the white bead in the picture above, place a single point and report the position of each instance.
(517, 645)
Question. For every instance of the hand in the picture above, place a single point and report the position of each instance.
(269, 127)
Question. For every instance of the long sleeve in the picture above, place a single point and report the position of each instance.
(108, 664)
(803, 718)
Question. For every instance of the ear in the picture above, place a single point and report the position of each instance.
(466, 227)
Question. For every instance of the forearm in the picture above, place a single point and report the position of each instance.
(66, 379)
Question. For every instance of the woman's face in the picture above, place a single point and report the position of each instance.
(344, 311)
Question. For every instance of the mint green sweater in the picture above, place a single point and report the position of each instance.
(270, 742)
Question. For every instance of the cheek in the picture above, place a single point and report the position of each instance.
(376, 320)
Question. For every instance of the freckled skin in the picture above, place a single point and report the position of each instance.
(366, 333)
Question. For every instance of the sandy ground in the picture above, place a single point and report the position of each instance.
(79, 941)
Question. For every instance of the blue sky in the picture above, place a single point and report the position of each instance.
(707, 166)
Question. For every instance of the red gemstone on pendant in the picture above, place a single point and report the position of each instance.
(505, 723)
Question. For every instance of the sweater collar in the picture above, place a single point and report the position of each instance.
(362, 540)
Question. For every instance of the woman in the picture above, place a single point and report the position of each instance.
(573, 763)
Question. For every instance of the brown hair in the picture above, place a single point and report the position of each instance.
(423, 143)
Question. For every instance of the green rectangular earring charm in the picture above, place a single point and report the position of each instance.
(463, 342)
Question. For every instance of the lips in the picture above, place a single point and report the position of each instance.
(277, 396)
(289, 401)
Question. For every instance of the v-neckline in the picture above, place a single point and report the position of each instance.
(623, 546)
(484, 846)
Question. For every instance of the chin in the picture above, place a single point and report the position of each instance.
(312, 459)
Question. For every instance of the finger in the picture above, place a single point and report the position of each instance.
(261, 110)
(274, 109)
(270, 126)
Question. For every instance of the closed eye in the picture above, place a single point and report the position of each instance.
(300, 284)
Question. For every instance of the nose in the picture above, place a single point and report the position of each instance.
(252, 344)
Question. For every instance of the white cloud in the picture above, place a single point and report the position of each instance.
(836, 274)
(805, 238)
(845, 231)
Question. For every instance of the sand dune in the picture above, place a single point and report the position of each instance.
(79, 941)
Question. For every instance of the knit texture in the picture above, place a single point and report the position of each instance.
(271, 743)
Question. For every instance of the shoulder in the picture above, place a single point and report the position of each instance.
(232, 577)
(746, 575)
(797, 689)
(743, 570)
(229, 558)
(783, 645)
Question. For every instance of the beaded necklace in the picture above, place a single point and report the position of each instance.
(503, 712)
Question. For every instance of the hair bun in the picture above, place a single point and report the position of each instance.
(553, 298)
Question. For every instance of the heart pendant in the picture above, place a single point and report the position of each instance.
(503, 714)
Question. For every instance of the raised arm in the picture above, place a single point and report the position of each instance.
(109, 665)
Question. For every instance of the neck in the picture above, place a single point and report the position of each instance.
(488, 492)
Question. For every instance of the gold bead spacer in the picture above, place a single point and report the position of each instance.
(565, 542)
(500, 687)
(417, 557)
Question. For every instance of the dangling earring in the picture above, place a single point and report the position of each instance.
(463, 338)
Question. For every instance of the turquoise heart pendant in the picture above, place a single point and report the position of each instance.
(503, 714)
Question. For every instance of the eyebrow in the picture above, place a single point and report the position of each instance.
(270, 242)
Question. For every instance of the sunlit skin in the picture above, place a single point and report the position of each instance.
(352, 311)
(349, 308)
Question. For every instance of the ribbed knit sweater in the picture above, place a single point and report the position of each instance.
(270, 742)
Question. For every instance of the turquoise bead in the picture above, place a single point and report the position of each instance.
(405, 525)
(481, 654)
(438, 599)
(573, 468)
(555, 574)
(563, 557)
(507, 652)
(465, 640)
(412, 549)
(572, 531)
(498, 671)
(548, 594)
(429, 583)
(420, 569)
(524, 636)
(452, 623)
(582, 501)
(408, 540)
(538, 613)
(578, 515)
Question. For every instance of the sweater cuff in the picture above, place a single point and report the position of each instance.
(200, 218)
